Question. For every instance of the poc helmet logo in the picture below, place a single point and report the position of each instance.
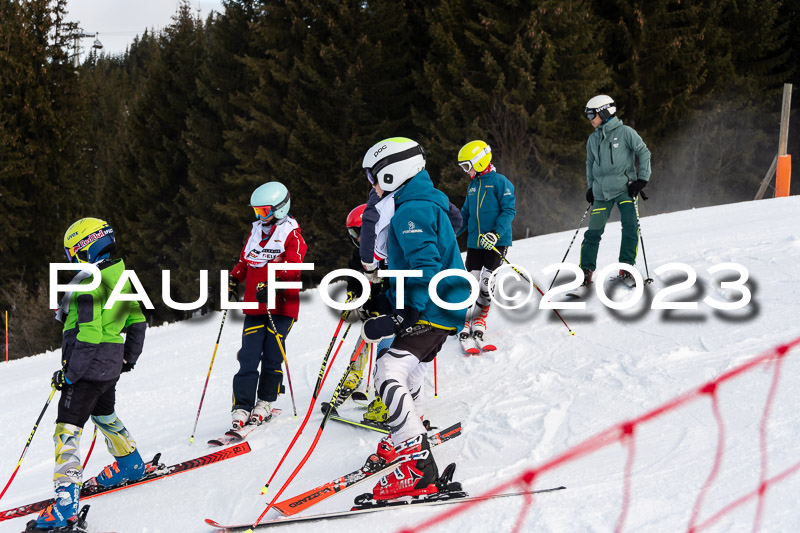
(379, 150)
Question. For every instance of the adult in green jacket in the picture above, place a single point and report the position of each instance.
(94, 354)
(612, 178)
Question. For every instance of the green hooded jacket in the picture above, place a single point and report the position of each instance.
(92, 346)
(610, 159)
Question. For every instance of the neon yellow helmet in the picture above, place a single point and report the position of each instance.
(88, 241)
(474, 154)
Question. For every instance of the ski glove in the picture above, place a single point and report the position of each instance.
(233, 289)
(371, 271)
(126, 366)
(488, 240)
(60, 379)
(635, 187)
(385, 326)
(351, 296)
(590, 196)
(262, 293)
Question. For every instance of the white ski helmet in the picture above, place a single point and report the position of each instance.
(601, 105)
(392, 162)
(271, 199)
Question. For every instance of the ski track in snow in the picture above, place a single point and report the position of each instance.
(542, 392)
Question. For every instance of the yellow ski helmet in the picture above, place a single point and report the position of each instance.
(474, 154)
(88, 240)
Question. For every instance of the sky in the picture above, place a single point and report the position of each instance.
(118, 22)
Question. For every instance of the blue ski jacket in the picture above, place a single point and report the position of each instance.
(421, 238)
(489, 206)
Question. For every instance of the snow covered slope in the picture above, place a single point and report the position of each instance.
(541, 393)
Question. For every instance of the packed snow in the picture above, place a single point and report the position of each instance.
(542, 392)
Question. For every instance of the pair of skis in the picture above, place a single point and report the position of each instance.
(355, 512)
(160, 472)
(235, 436)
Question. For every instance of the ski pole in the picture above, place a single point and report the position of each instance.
(435, 380)
(27, 444)
(320, 382)
(570, 245)
(529, 281)
(350, 367)
(94, 439)
(647, 280)
(330, 347)
(283, 353)
(369, 370)
(203, 396)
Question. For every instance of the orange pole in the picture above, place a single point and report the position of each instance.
(783, 176)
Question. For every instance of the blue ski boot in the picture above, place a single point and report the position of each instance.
(63, 512)
(127, 468)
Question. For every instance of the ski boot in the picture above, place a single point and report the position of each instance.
(261, 413)
(62, 513)
(479, 329)
(124, 470)
(377, 411)
(587, 277)
(240, 418)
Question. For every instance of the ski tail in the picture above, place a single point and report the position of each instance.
(303, 501)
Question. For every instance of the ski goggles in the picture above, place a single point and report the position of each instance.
(265, 211)
(468, 165)
(590, 115)
(372, 179)
(354, 233)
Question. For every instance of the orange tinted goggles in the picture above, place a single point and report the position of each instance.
(264, 212)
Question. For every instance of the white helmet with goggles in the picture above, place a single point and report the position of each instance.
(392, 162)
(601, 105)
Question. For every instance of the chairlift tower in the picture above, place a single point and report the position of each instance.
(76, 38)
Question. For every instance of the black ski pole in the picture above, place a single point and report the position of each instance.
(647, 280)
(27, 444)
(285, 362)
(570, 244)
(203, 396)
(480, 236)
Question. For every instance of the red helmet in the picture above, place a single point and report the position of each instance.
(354, 217)
(354, 223)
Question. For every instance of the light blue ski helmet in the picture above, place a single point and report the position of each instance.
(271, 199)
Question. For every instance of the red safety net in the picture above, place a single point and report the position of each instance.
(624, 434)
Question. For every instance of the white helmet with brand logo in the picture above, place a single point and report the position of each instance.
(392, 162)
(601, 105)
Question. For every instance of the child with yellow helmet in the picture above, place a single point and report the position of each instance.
(488, 211)
(93, 355)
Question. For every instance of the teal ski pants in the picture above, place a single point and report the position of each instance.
(601, 210)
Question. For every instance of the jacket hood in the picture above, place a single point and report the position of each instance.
(420, 187)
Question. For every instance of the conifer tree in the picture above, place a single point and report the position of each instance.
(153, 211)
(516, 76)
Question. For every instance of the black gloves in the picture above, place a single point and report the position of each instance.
(60, 379)
(635, 187)
(590, 196)
(233, 289)
(126, 366)
(262, 293)
(385, 326)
